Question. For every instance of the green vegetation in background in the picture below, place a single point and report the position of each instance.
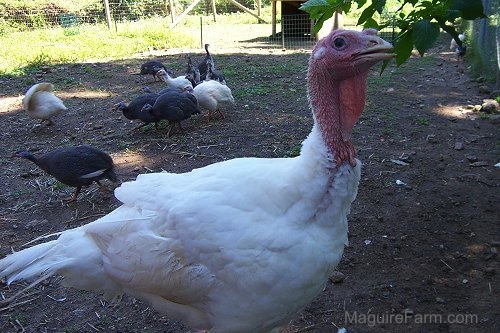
(93, 42)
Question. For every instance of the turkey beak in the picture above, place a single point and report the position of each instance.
(377, 50)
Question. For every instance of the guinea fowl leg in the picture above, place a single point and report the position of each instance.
(170, 127)
(221, 113)
(49, 122)
(75, 195)
(137, 127)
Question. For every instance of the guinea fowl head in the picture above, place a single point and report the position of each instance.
(147, 108)
(338, 69)
(162, 74)
(25, 154)
(119, 107)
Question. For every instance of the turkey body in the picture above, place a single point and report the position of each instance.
(41, 103)
(76, 166)
(212, 95)
(241, 245)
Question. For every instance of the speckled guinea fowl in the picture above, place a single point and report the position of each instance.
(203, 68)
(151, 67)
(75, 166)
(174, 106)
(132, 111)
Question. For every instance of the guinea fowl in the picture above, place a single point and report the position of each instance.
(460, 50)
(175, 82)
(173, 105)
(75, 166)
(152, 67)
(242, 245)
(211, 95)
(203, 68)
(133, 110)
(192, 73)
(41, 103)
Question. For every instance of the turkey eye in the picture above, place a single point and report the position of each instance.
(339, 43)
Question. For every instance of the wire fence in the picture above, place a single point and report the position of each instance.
(286, 31)
(485, 42)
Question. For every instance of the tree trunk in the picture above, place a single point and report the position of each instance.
(339, 20)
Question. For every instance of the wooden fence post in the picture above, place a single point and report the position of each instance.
(108, 14)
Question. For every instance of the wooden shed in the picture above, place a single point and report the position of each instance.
(295, 22)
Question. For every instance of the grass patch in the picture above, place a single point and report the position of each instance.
(422, 121)
(53, 46)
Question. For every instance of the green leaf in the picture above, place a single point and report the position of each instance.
(450, 30)
(371, 23)
(379, 5)
(403, 47)
(366, 14)
(361, 3)
(346, 8)
(315, 8)
(385, 63)
(425, 34)
(469, 9)
(320, 20)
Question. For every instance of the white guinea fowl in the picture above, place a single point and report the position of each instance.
(237, 246)
(41, 103)
(211, 95)
(460, 50)
(179, 82)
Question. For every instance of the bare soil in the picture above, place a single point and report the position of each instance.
(424, 229)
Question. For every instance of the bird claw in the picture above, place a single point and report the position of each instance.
(69, 199)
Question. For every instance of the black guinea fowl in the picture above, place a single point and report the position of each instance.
(212, 72)
(192, 73)
(175, 106)
(152, 67)
(75, 166)
(133, 111)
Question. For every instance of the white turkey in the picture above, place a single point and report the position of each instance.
(241, 245)
(41, 103)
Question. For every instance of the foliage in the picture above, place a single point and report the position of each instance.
(418, 21)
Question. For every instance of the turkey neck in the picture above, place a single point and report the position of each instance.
(336, 105)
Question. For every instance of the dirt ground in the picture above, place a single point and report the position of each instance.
(424, 229)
